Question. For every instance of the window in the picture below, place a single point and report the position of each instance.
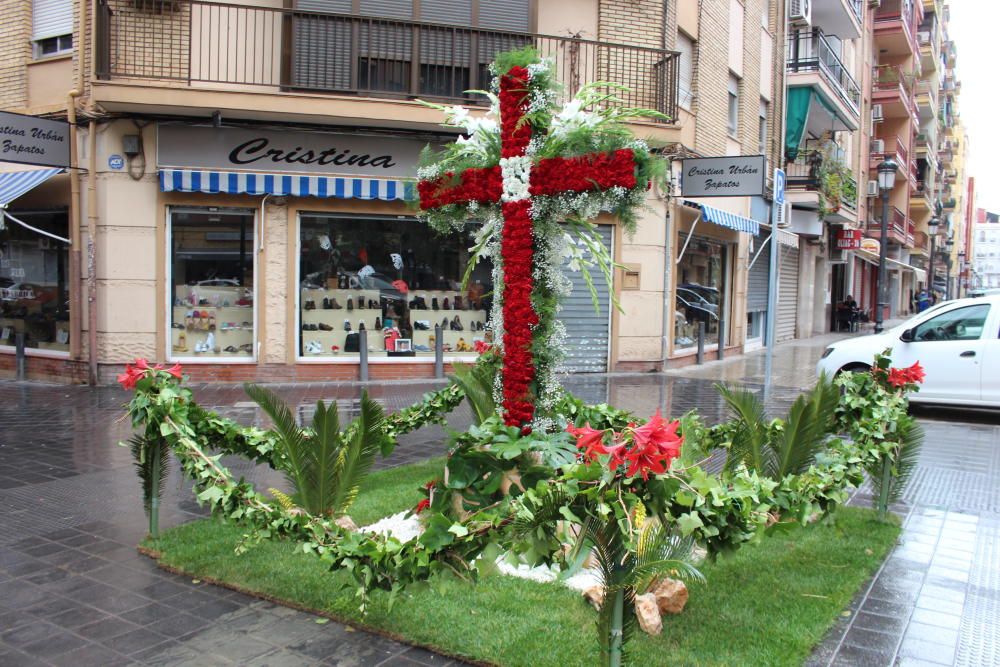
(959, 324)
(392, 279)
(699, 291)
(685, 74)
(212, 286)
(52, 27)
(734, 105)
(34, 285)
(762, 128)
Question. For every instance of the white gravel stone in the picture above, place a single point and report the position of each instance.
(403, 526)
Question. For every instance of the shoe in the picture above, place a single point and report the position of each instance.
(246, 325)
(421, 325)
(347, 324)
(247, 348)
(341, 281)
(211, 321)
(378, 322)
(323, 326)
(444, 304)
(458, 303)
(326, 304)
(361, 326)
(350, 303)
(334, 305)
(310, 305)
(444, 323)
(177, 325)
(434, 303)
(372, 304)
(361, 303)
(457, 324)
(231, 349)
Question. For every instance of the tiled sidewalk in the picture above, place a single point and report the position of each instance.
(73, 590)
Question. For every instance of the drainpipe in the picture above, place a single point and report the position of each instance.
(92, 250)
(75, 222)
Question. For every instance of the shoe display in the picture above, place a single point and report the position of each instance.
(361, 326)
(458, 303)
(326, 304)
(323, 326)
(444, 323)
(310, 305)
(347, 325)
(444, 304)
(434, 303)
(334, 305)
(422, 325)
(372, 304)
(456, 324)
(350, 303)
(361, 303)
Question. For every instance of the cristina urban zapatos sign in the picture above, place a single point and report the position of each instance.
(33, 140)
(247, 149)
(732, 176)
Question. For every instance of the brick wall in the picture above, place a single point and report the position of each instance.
(711, 78)
(45, 369)
(15, 52)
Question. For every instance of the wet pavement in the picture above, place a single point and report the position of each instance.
(74, 591)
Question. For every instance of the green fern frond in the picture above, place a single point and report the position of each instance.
(749, 441)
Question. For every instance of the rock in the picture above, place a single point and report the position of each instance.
(671, 595)
(595, 596)
(346, 522)
(648, 614)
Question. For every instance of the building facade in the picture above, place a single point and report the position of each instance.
(236, 198)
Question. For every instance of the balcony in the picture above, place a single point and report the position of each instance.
(929, 42)
(921, 196)
(893, 89)
(901, 229)
(926, 99)
(194, 46)
(894, 147)
(895, 28)
(838, 17)
(813, 175)
(813, 62)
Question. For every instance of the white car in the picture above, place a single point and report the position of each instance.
(956, 343)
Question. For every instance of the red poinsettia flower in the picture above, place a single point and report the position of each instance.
(131, 375)
(422, 505)
(591, 441)
(915, 373)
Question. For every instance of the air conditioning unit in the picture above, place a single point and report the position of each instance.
(878, 146)
(877, 116)
(800, 12)
(872, 189)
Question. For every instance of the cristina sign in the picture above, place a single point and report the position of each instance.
(734, 176)
(32, 140)
(231, 148)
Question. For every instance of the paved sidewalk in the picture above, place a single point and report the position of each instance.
(73, 590)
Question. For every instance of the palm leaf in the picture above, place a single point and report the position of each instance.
(292, 439)
(357, 454)
(476, 383)
(750, 439)
(808, 423)
(909, 438)
(322, 458)
(659, 552)
(150, 460)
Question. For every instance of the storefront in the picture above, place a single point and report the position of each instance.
(293, 268)
(707, 246)
(35, 276)
(788, 286)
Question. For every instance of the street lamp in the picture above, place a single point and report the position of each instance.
(961, 276)
(886, 179)
(949, 245)
(932, 225)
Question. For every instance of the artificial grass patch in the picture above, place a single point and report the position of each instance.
(768, 604)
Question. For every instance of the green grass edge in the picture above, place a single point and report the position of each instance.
(768, 604)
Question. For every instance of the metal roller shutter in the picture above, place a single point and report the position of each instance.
(588, 330)
(788, 293)
(51, 18)
(757, 276)
(507, 15)
(322, 46)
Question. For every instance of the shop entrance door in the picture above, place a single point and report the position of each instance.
(757, 285)
(838, 293)
(788, 292)
(588, 330)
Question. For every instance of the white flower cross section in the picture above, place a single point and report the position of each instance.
(516, 175)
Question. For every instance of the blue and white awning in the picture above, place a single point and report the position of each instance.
(725, 218)
(13, 184)
(282, 185)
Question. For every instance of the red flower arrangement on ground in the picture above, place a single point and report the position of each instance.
(134, 373)
(645, 449)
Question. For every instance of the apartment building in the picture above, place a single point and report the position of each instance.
(235, 197)
(828, 60)
(986, 253)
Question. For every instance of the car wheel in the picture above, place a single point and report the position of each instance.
(855, 368)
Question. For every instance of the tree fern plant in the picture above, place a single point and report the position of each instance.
(324, 465)
(152, 464)
(891, 475)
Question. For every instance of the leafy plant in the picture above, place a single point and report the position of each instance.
(152, 464)
(476, 383)
(323, 465)
(780, 448)
(891, 475)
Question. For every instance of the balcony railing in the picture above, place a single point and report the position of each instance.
(811, 52)
(805, 174)
(900, 228)
(891, 11)
(228, 46)
(895, 148)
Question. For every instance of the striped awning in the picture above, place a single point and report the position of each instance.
(13, 184)
(725, 218)
(283, 185)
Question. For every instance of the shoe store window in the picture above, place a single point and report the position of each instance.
(212, 288)
(34, 286)
(391, 277)
(699, 293)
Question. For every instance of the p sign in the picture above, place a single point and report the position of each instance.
(779, 186)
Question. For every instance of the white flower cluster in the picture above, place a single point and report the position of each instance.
(516, 173)
(430, 172)
(543, 66)
(573, 117)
